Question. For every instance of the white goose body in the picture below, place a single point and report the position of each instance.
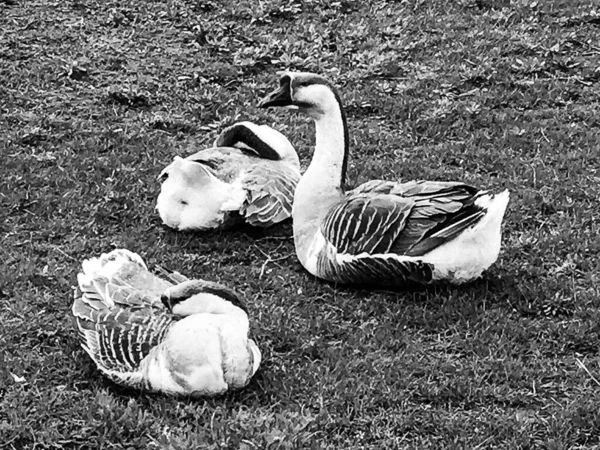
(250, 174)
(382, 232)
(176, 336)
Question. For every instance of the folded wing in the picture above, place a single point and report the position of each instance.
(119, 314)
(408, 219)
(270, 193)
(117, 338)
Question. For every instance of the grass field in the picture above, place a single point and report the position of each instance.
(97, 97)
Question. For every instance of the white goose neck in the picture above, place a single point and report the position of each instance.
(330, 149)
(321, 186)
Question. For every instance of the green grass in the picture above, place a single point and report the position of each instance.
(97, 97)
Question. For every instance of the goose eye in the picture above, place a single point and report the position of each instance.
(183, 202)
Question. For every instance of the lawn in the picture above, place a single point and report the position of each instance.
(97, 97)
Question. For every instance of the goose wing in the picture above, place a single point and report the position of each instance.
(270, 193)
(119, 314)
(409, 219)
(118, 339)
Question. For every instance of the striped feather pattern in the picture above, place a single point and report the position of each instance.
(376, 270)
(118, 339)
(119, 314)
(366, 224)
(270, 194)
(381, 217)
(225, 163)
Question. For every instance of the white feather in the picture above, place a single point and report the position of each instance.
(321, 188)
(195, 197)
(459, 260)
(205, 352)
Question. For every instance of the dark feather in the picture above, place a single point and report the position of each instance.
(190, 288)
(366, 223)
(408, 219)
(377, 270)
(239, 133)
(124, 336)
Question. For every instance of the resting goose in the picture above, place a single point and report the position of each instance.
(249, 174)
(383, 232)
(162, 334)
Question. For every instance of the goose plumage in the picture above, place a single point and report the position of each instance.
(383, 232)
(249, 174)
(164, 334)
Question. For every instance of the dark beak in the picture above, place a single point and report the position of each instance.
(279, 97)
(166, 300)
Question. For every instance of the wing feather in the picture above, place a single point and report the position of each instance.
(270, 193)
(411, 219)
(374, 187)
(119, 315)
(378, 270)
(118, 339)
(173, 276)
(366, 223)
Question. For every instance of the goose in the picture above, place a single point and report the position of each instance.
(166, 334)
(249, 174)
(386, 233)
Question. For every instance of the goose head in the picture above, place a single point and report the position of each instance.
(199, 296)
(307, 93)
(317, 97)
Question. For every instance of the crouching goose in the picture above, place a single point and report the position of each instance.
(382, 232)
(162, 334)
(250, 174)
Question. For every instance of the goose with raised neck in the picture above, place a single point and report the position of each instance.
(382, 232)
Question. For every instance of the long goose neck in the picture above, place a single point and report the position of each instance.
(331, 146)
(323, 183)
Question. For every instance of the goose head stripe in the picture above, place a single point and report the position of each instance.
(251, 137)
(314, 96)
(382, 232)
(290, 92)
(185, 291)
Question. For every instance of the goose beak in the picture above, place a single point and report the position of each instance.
(279, 97)
(166, 300)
